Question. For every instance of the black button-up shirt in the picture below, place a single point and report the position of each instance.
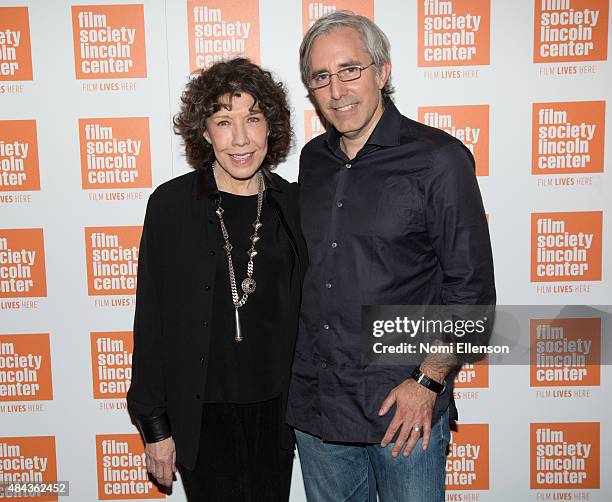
(401, 223)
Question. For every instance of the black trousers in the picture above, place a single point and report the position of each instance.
(239, 457)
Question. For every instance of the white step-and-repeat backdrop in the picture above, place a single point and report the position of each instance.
(87, 94)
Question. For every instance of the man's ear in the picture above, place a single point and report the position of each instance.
(383, 74)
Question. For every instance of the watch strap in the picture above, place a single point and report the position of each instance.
(428, 383)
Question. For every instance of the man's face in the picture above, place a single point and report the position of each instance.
(354, 107)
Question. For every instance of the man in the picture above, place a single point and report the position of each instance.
(392, 215)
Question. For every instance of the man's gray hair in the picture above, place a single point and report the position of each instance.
(373, 39)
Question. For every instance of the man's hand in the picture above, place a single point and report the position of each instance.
(161, 460)
(413, 408)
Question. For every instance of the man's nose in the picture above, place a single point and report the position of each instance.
(336, 87)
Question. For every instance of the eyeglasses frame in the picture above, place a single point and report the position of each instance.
(337, 74)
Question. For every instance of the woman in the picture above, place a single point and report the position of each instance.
(220, 269)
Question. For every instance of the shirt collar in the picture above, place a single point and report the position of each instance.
(386, 132)
(206, 185)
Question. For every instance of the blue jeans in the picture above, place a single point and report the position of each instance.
(347, 472)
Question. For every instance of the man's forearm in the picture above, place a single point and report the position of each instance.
(437, 366)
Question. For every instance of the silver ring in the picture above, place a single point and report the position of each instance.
(416, 429)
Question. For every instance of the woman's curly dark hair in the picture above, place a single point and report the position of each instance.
(200, 100)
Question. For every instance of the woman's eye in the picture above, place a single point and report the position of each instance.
(254, 119)
(222, 123)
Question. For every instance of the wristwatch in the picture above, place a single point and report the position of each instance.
(427, 382)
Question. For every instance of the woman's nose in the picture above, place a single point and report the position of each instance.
(240, 136)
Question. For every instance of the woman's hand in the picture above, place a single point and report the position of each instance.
(161, 460)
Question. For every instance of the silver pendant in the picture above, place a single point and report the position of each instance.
(249, 285)
(238, 336)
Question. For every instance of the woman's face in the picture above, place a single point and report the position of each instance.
(238, 135)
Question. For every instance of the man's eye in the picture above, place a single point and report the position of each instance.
(350, 71)
(321, 77)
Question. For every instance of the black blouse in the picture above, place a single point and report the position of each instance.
(177, 278)
(251, 370)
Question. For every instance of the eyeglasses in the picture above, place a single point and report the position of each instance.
(344, 75)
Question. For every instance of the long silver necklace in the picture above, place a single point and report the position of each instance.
(248, 285)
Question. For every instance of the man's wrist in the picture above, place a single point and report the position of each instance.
(428, 382)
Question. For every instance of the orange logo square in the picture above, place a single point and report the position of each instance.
(22, 263)
(467, 464)
(25, 368)
(468, 123)
(453, 32)
(15, 49)
(565, 352)
(109, 41)
(29, 458)
(568, 138)
(18, 156)
(111, 364)
(570, 30)
(115, 153)
(473, 376)
(566, 246)
(313, 125)
(311, 11)
(112, 259)
(122, 471)
(564, 455)
(220, 30)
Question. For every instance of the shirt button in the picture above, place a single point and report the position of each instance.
(212, 252)
(197, 396)
(202, 360)
(207, 288)
(339, 203)
(323, 365)
(325, 326)
(348, 166)
(205, 323)
(328, 285)
(210, 221)
(334, 244)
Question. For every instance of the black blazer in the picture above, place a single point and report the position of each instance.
(176, 277)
